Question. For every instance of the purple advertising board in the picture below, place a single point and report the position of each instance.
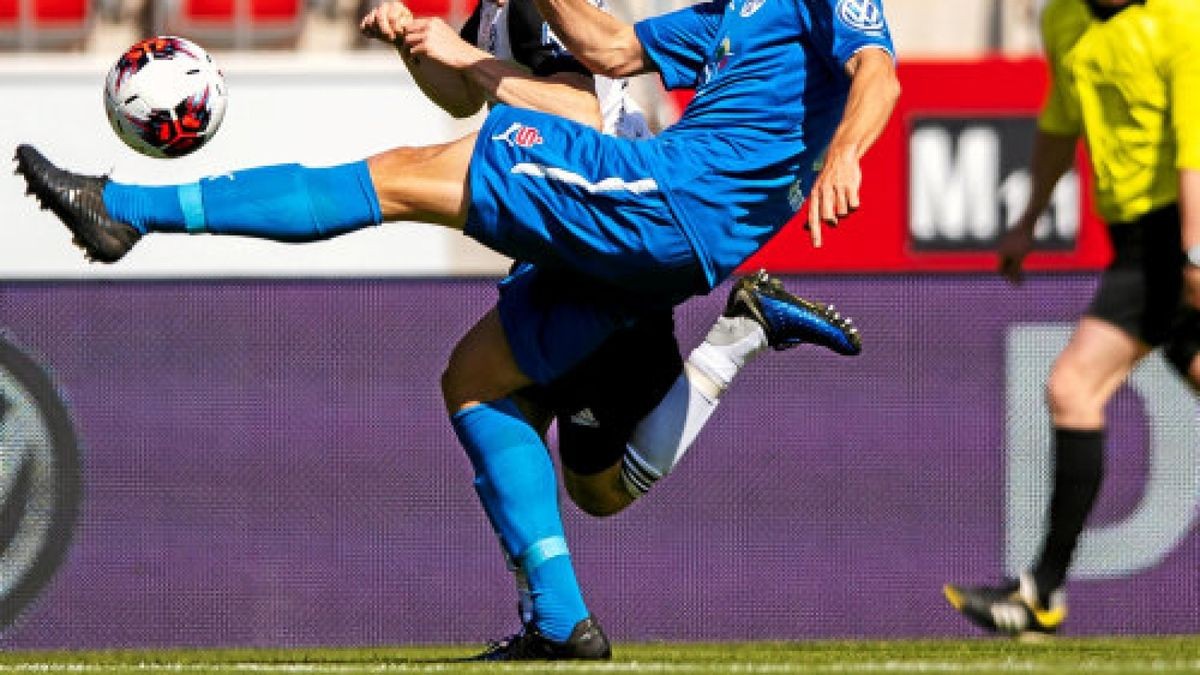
(269, 463)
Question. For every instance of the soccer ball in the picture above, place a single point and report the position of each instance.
(165, 96)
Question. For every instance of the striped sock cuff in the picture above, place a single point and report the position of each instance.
(637, 474)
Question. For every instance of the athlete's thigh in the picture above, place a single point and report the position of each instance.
(482, 367)
(428, 183)
(553, 320)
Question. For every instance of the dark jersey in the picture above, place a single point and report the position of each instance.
(514, 31)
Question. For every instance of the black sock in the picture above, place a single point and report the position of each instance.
(1078, 469)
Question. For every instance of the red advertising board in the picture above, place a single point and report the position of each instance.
(945, 179)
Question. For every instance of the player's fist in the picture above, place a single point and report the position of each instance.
(387, 22)
(1014, 246)
(436, 40)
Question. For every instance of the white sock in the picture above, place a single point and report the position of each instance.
(729, 346)
(663, 436)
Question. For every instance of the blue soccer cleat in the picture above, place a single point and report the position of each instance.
(78, 201)
(789, 320)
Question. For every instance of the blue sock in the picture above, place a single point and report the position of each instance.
(287, 202)
(150, 208)
(515, 481)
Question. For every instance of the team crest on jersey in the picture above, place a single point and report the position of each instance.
(521, 136)
(719, 60)
(863, 15)
(751, 7)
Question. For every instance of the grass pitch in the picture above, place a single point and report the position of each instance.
(1103, 655)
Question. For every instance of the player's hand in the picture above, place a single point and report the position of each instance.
(387, 22)
(835, 192)
(436, 40)
(1013, 247)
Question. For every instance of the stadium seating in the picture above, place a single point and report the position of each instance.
(44, 24)
(234, 24)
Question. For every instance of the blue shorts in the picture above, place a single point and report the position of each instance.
(585, 208)
(564, 196)
(599, 403)
(554, 321)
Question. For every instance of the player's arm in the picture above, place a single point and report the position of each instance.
(448, 88)
(569, 95)
(1053, 156)
(1059, 128)
(600, 41)
(874, 90)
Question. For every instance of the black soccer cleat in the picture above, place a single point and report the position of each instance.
(587, 643)
(1013, 608)
(790, 320)
(78, 201)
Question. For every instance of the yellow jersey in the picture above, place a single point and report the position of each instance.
(1131, 86)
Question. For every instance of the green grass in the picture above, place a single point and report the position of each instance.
(1106, 655)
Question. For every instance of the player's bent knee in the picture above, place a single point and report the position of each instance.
(600, 495)
(1066, 394)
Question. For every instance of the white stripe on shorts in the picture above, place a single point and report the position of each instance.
(611, 184)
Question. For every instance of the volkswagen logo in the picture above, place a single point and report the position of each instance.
(39, 481)
(863, 15)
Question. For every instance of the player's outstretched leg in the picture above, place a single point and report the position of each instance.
(1016, 607)
(760, 313)
(286, 202)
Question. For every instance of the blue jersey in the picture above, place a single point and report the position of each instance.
(771, 87)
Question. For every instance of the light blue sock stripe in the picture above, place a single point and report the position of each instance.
(542, 550)
(191, 202)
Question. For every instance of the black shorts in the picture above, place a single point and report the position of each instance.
(598, 403)
(1141, 291)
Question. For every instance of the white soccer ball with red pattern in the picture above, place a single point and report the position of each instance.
(165, 96)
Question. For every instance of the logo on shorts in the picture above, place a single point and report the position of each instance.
(751, 7)
(521, 136)
(585, 418)
(863, 15)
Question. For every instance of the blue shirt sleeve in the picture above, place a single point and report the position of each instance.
(678, 42)
(842, 28)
